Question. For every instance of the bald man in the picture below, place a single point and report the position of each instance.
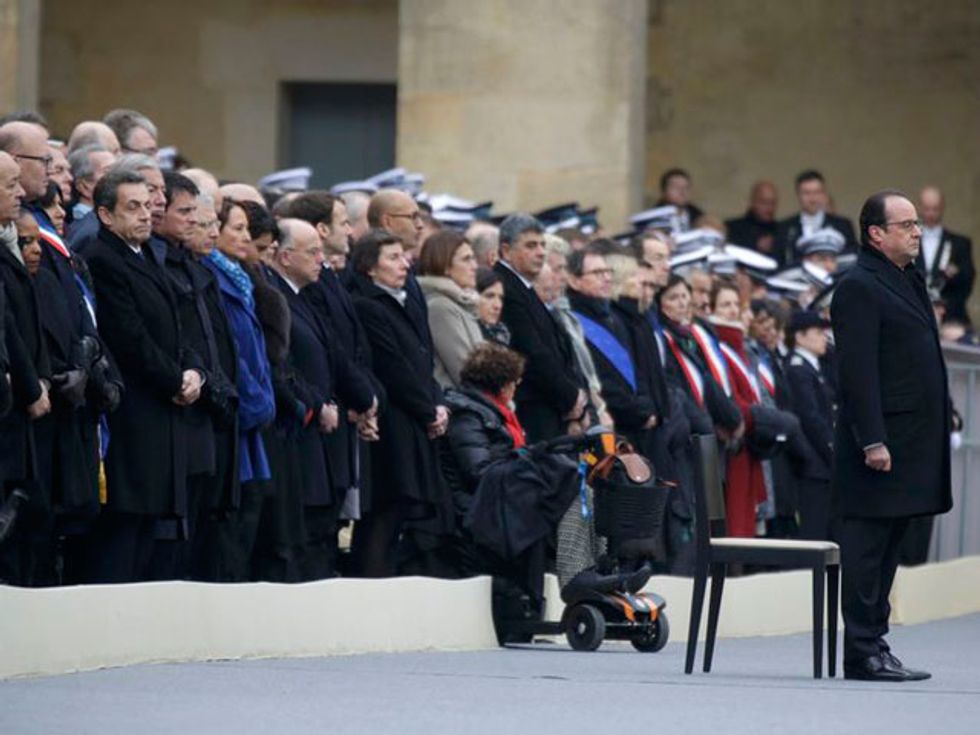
(27, 143)
(242, 193)
(207, 184)
(946, 258)
(93, 132)
(756, 229)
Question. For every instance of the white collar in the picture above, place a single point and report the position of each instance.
(511, 268)
(809, 357)
(290, 283)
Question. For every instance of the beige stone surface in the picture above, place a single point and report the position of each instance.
(209, 74)
(874, 94)
(19, 32)
(527, 103)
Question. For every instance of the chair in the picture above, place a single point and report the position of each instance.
(715, 554)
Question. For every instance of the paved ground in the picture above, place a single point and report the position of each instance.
(759, 685)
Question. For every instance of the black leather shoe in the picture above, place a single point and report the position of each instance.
(882, 667)
(913, 674)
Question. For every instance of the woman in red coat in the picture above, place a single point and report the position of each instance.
(745, 488)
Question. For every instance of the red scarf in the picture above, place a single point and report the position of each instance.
(511, 423)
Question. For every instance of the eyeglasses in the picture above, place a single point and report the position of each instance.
(46, 160)
(906, 224)
(601, 272)
(414, 216)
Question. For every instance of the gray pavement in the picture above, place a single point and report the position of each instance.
(759, 685)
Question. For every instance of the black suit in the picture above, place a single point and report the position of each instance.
(146, 465)
(751, 232)
(954, 250)
(893, 390)
(550, 386)
(789, 230)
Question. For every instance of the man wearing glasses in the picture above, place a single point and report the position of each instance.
(892, 435)
(28, 144)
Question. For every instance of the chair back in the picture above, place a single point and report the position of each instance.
(709, 493)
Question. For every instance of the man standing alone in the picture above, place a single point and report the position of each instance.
(892, 436)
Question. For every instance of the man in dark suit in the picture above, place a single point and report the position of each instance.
(326, 371)
(756, 229)
(892, 449)
(946, 258)
(551, 394)
(137, 310)
(813, 215)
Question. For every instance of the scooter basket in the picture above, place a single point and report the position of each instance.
(629, 504)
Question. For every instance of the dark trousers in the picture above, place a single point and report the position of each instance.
(319, 559)
(374, 546)
(814, 499)
(869, 558)
(121, 549)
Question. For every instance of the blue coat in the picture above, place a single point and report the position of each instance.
(256, 401)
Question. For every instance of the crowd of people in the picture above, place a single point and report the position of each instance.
(211, 382)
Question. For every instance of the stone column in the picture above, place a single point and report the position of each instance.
(526, 102)
(20, 27)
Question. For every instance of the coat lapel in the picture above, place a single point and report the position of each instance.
(896, 282)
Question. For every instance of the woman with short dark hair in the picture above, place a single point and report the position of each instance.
(409, 496)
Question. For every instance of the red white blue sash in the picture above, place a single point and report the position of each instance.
(54, 241)
(712, 356)
(767, 378)
(691, 372)
(738, 366)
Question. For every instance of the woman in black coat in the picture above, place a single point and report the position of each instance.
(409, 492)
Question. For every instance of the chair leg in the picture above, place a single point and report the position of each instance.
(818, 594)
(697, 603)
(714, 608)
(833, 601)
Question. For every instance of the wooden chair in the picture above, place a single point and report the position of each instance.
(715, 554)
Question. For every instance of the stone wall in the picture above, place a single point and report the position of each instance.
(874, 94)
(208, 74)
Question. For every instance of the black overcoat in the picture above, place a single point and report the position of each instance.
(312, 353)
(28, 364)
(551, 383)
(405, 462)
(893, 390)
(146, 466)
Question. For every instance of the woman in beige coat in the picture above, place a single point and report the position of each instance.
(447, 275)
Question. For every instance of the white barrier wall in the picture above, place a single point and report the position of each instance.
(60, 630)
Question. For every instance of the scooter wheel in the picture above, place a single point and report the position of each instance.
(655, 637)
(585, 628)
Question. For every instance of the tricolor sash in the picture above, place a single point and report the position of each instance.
(610, 347)
(54, 240)
(767, 377)
(712, 356)
(739, 366)
(691, 372)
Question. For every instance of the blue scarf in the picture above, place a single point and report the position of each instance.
(236, 274)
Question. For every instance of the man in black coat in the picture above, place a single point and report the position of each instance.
(946, 258)
(813, 215)
(205, 547)
(137, 311)
(551, 394)
(29, 374)
(756, 229)
(326, 371)
(892, 450)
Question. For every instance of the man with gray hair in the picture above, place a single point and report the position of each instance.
(484, 238)
(357, 208)
(135, 131)
(88, 164)
(84, 231)
(552, 399)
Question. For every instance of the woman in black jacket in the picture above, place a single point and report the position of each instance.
(409, 495)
